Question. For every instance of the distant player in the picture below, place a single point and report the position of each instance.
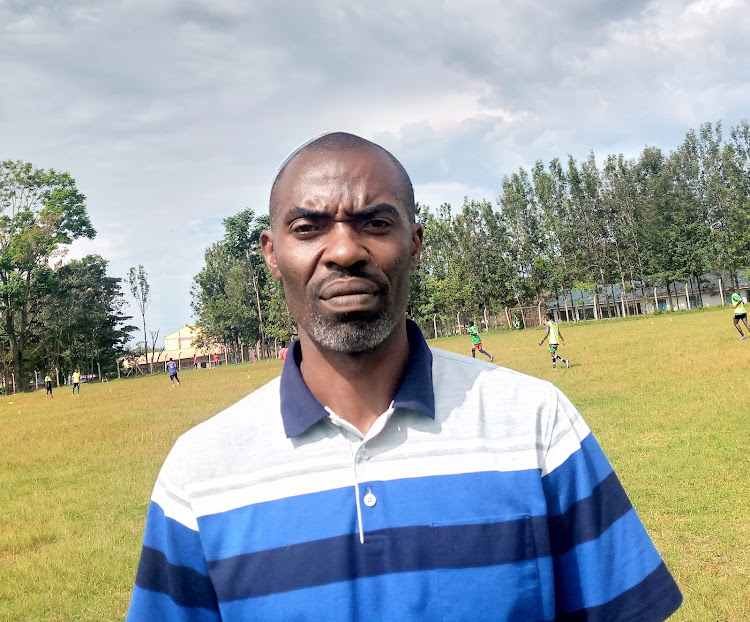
(172, 369)
(739, 314)
(283, 350)
(48, 384)
(555, 337)
(476, 342)
(75, 379)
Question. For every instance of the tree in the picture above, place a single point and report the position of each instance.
(82, 323)
(234, 299)
(40, 211)
(139, 288)
(242, 242)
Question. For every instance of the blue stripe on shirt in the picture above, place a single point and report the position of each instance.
(147, 606)
(400, 503)
(575, 478)
(182, 546)
(595, 572)
(652, 600)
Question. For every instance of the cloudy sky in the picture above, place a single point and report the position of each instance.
(172, 115)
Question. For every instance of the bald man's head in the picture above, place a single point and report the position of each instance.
(338, 142)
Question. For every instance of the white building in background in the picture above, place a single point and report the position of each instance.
(713, 292)
(180, 346)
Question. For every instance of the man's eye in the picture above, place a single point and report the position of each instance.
(303, 228)
(378, 223)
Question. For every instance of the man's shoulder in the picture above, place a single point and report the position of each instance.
(456, 371)
(235, 425)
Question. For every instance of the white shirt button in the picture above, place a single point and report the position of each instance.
(364, 454)
(370, 499)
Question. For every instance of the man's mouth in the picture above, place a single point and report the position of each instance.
(350, 294)
(348, 287)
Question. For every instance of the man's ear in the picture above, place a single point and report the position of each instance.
(417, 239)
(266, 245)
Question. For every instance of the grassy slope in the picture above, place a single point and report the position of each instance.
(664, 395)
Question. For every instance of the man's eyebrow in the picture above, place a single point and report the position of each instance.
(303, 212)
(298, 212)
(375, 210)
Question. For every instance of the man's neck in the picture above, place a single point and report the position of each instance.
(358, 387)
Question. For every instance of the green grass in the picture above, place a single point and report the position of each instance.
(664, 395)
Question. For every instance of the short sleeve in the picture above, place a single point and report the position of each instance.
(172, 582)
(605, 565)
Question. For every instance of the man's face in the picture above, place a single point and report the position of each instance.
(344, 247)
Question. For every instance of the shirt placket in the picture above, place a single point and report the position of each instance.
(359, 453)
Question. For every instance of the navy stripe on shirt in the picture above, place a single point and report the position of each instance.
(652, 600)
(185, 586)
(589, 518)
(403, 549)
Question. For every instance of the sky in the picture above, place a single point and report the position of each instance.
(173, 115)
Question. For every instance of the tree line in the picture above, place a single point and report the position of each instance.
(54, 316)
(566, 226)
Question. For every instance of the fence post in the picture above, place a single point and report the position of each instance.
(507, 317)
(539, 312)
(36, 381)
(687, 296)
(721, 291)
(434, 325)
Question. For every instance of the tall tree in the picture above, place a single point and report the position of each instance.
(242, 242)
(234, 299)
(141, 292)
(40, 210)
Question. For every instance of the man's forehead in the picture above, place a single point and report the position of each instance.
(322, 172)
(351, 165)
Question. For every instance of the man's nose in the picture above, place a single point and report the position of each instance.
(345, 246)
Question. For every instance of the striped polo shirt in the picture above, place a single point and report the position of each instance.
(479, 494)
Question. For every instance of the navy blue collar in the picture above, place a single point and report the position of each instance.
(300, 410)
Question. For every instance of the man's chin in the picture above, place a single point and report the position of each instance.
(351, 332)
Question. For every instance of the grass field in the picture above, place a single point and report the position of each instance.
(666, 396)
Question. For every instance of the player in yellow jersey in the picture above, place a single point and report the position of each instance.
(76, 382)
(739, 314)
(555, 337)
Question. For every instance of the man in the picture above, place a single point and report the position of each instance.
(739, 314)
(48, 385)
(377, 479)
(476, 342)
(555, 337)
(75, 379)
(172, 369)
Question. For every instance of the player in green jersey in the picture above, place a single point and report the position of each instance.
(555, 337)
(476, 342)
(739, 314)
